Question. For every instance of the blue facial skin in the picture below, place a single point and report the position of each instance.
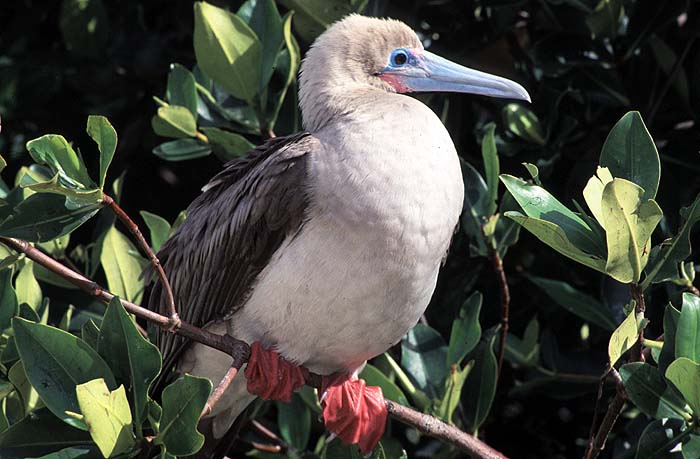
(423, 71)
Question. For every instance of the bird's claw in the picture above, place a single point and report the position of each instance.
(271, 377)
(353, 411)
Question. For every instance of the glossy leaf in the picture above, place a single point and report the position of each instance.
(423, 355)
(181, 150)
(183, 402)
(133, 359)
(668, 351)
(227, 50)
(122, 265)
(27, 287)
(39, 434)
(647, 389)
(107, 416)
(466, 330)
(664, 265)
(181, 89)
(625, 336)
(491, 166)
(593, 192)
(264, 19)
(45, 216)
(629, 221)
(685, 375)
(523, 123)
(55, 362)
(102, 132)
(55, 152)
(294, 421)
(688, 331)
(629, 153)
(227, 145)
(374, 377)
(158, 227)
(174, 121)
(659, 438)
(480, 387)
(576, 302)
(538, 203)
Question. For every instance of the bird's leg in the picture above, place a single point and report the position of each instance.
(353, 411)
(270, 376)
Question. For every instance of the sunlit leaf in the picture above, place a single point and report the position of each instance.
(593, 192)
(27, 287)
(122, 265)
(453, 391)
(523, 123)
(625, 336)
(227, 145)
(102, 132)
(181, 89)
(55, 152)
(685, 375)
(158, 227)
(174, 121)
(688, 330)
(647, 389)
(264, 19)
(491, 166)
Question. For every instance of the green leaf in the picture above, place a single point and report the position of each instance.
(133, 359)
(577, 302)
(537, 203)
(26, 286)
(29, 396)
(122, 265)
(102, 132)
(475, 207)
(647, 389)
(688, 331)
(480, 388)
(55, 152)
(625, 336)
(423, 356)
(55, 362)
(466, 330)
(181, 150)
(286, 68)
(183, 402)
(181, 89)
(39, 434)
(9, 306)
(85, 452)
(374, 377)
(534, 172)
(38, 179)
(453, 391)
(491, 166)
(227, 145)
(89, 333)
(227, 50)
(685, 375)
(523, 123)
(314, 16)
(668, 351)
(629, 153)
(691, 448)
(158, 227)
(672, 252)
(107, 416)
(628, 221)
(593, 192)
(525, 351)
(604, 21)
(264, 19)
(659, 438)
(174, 121)
(45, 216)
(294, 421)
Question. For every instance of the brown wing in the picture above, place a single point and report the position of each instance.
(231, 231)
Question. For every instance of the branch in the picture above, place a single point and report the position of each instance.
(497, 264)
(134, 230)
(240, 351)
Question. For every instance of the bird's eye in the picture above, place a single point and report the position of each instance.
(399, 57)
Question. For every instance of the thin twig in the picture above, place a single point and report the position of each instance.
(283, 445)
(497, 264)
(219, 391)
(240, 352)
(134, 230)
(597, 445)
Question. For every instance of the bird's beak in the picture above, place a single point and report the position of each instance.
(428, 72)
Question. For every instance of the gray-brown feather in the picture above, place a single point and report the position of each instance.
(232, 230)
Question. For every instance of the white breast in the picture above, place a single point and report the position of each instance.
(386, 195)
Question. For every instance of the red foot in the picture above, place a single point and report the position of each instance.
(270, 377)
(353, 411)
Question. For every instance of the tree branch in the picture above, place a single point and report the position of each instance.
(240, 351)
(497, 264)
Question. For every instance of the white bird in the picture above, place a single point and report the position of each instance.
(325, 246)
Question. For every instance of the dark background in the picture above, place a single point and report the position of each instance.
(648, 61)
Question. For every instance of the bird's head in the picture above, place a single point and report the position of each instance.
(360, 52)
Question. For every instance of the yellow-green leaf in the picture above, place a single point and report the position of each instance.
(625, 336)
(122, 265)
(685, 375)
(102, 132)
(107, 416)
(593, 192)
(628, 223)
(27, 287)
(174, 121)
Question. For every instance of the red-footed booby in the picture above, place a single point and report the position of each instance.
(322, 249)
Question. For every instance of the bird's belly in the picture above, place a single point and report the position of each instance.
(331, 300)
